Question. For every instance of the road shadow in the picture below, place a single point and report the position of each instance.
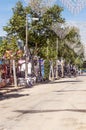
(65, 91)
(66, 81)
(22, 112)
(8, 89)
(10, 95)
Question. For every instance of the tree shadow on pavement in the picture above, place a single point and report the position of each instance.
(8, 89)
(22, 112)
(64, 91)
(67, 81)
(10, 95)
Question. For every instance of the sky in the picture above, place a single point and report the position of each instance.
(6, 12)
(78, 20)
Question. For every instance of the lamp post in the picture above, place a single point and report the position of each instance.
(26, 46)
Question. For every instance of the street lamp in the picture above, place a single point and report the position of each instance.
(26, 45)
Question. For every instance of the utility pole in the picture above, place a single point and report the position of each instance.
(26, 46)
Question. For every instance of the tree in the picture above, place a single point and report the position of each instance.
(9, 49)
(69, 41)
(16, 24)
(39, 6)
(73, 41)
(38, 30)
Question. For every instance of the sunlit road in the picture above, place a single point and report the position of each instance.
(55, 106)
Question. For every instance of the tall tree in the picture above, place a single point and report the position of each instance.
(16, 24)
(38, 31)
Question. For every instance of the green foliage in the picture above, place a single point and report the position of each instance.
(9, 49)
(68, 47)
(1, 39)
(53, 15)
(16, 24)
(3, 48)
(39, 31)
(46, 69)
(68, 54)
(73, 33)
(78, 62)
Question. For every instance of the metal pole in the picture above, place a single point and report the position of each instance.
(26, 49)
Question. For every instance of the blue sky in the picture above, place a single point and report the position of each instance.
(6, 12)
(78, 20)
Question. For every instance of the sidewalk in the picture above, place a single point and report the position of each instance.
(11, 88)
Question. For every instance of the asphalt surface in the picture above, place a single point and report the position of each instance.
(59, 105)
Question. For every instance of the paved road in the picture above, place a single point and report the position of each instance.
(59, 105)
